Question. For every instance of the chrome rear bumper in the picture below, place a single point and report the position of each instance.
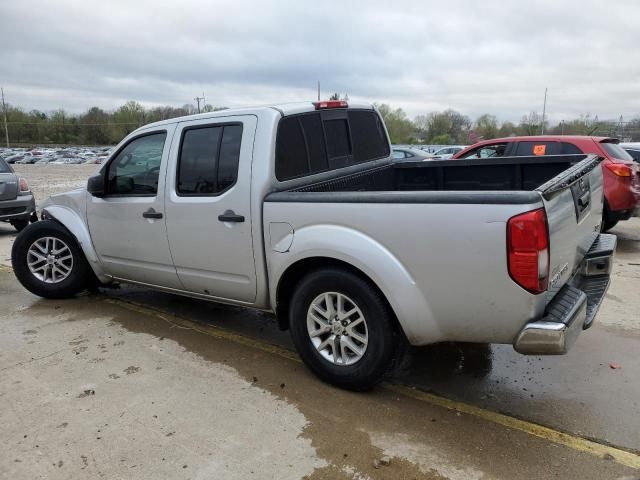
(574, 307)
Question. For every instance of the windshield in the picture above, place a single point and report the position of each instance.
(4, 168)
(616, 151)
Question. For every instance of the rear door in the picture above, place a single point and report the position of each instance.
(8, 182)
(208, 206)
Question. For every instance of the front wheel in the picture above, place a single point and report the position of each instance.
(48, 262)
(343, 329)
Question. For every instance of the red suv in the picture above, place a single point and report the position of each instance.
(621, 174)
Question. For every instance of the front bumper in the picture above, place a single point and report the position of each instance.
(20, 208)
(574, 307)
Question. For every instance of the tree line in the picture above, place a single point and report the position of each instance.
(93, 127)
(449, 127)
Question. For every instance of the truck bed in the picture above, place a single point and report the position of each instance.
(500, 174)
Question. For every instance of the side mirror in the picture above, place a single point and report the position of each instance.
(95, 185)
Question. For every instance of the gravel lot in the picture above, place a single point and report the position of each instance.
(47, 180)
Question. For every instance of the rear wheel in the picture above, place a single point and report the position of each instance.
(19, 225)
(343, 329)
(48, 262)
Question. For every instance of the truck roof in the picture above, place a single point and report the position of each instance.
(284, 109)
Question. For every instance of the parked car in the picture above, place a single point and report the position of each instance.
(633, 149)
(299, 209)
(17, 204)
(448, 152)
(409, 154)
(621, 174)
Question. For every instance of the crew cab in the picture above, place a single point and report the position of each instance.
(621, 174)
(299, 209)
(17, 204)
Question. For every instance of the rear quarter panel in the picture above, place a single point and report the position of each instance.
(442, 267)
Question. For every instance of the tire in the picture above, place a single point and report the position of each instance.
(609, 220)
(62, 273)
(343, 367)
(608, 223)
(20, 225)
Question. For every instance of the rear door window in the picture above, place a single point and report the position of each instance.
(208, 160)
(525, 149)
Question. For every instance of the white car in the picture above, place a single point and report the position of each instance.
(448, 152)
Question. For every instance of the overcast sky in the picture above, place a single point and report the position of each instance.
(473, 56)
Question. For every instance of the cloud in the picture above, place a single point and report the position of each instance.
(476, 57)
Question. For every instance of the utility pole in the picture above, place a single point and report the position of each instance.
(562, 127)
(318, 90)
(4, 111)
(197, 99)
(544, 112)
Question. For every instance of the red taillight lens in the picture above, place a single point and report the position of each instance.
(619, 169)
(24, 186)
(330, 104)
(528, 250)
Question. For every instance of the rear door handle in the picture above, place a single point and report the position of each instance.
(230, 216)
(151, 213)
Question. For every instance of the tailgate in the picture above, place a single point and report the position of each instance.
(8, 186)
(573, 203)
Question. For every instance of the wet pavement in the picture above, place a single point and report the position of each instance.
(242, 412)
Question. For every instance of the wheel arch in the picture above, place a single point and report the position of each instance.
(296, 271)
(72, 222)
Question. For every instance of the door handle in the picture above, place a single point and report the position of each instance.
(151, 213)
(230, 216)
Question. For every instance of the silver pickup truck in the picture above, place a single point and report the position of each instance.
(299, 209)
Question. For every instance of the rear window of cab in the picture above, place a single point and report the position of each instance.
(326, 140)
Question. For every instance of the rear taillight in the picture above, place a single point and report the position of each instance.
(528, 250)
(619, 169)
(330, 104)
(24, 186)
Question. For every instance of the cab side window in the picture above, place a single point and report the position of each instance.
(208, 160)
(136, 169)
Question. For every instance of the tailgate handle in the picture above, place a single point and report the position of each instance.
(583, 201)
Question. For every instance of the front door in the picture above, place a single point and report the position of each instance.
(127, 225)
(208, 206)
